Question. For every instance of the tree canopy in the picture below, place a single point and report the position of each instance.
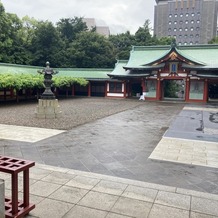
(68, 43)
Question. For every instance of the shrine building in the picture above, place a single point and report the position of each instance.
(183, 73)
(170, 72)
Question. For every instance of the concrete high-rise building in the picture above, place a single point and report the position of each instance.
(189, 21)
(91, 23)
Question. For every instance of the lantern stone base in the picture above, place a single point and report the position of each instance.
(48, 109)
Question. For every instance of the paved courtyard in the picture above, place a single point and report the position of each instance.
(121, 144)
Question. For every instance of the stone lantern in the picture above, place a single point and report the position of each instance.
(48, 106)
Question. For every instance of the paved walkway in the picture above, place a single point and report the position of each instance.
(191, 139)
(26, 134)
(60, 192)
(187, 151)
(124, 145)
(120, 145)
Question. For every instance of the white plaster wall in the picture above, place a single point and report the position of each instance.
(115, 94)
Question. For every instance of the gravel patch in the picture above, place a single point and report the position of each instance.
(75, 111)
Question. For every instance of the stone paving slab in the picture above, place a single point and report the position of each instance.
(184, 151)
(103, 200)
(26, 134)
(205, 108)
(195, 123)
(191, 139)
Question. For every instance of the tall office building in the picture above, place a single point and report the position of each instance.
(189, 21)
(102, 30)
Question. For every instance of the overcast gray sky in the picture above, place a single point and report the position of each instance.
(119, 15)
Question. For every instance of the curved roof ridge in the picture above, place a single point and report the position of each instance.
(189, 57)
(152, 47)
(19, 65)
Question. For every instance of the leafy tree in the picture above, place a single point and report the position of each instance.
(143, 35)
(213, 40)
(47, 45)
(5, 40)
(20, 81)
(92, 50)
(64, 81)
(164, 40)
(70, 27)
(122, 44)
(30, 81)
(171, 88)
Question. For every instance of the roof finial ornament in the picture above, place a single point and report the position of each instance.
(173, 43)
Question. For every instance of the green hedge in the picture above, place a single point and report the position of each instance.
(24, 81)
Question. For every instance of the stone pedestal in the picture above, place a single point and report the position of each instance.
(48, 109)
(2, 198)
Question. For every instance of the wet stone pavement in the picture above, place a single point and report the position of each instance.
(119, 145)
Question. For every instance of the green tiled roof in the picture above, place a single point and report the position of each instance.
(18, 69)
(86, 73)
(143, 55)
(201, 54)
(119, 70)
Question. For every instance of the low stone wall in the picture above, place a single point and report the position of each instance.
(2, 198)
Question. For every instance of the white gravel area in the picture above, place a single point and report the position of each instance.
(75, 111)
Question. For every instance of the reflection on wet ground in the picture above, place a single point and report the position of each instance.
(120, 144)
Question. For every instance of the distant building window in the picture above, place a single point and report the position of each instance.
(185, 36)
(186, 29)
(180, 43)
(180, 36)
(197, 28)
(198, 21)
(170, 22)
(175, 30)
(170, 15)
(180, 22)
(191, 36)
(198, 13)
(174, 37)
(192, 29)
(181, 15)
(197, 36)
(193, 14)
(169, 29)
(192, 21)
(115, 87)
(186, 22)
(191, 43)
(176, 15)
(186, 15)
(180, 29)
(185, 43)
(175, 22)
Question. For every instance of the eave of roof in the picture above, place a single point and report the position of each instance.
(147, 67)
(86, 73)
(211, 76)
(131, 76)
(200, 67)
(119, 70)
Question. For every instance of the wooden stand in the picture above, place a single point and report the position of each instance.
(13, 207)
